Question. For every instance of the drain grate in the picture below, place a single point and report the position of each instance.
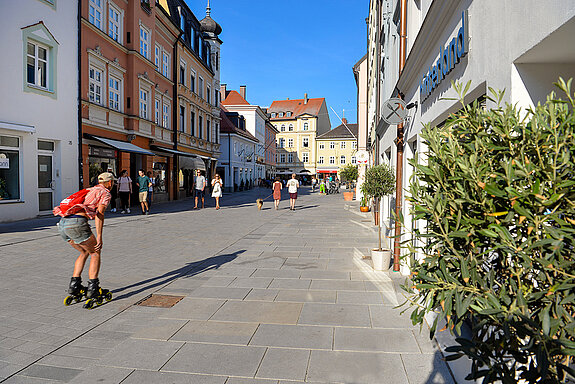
(160, 301)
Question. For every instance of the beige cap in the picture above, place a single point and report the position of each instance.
(106, 176)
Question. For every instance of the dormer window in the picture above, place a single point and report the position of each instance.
(288, 114)
(273, 115)
(281, 114)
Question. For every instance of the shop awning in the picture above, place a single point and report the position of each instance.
(327, 171)
(121, 145)
(172, 151)
(186, 162)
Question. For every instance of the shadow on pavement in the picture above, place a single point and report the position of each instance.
(188, 270)
(441, 372)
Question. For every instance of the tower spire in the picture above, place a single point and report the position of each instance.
(208, 9)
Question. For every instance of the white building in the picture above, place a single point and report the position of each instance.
(236, 165)
(507, 48)
(255, 123)
(38, 106)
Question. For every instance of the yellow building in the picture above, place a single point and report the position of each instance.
(336, 149)
(298, 122)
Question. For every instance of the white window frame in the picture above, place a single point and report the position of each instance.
(282, 157)
(290, 143)
(166, 64)
(354, 145)
(342, 159)
(305, 157)
(290, 157)
(354, 160)
(208, 94)
(95, 10)
(112, 23)
(320, 160)
(144, 103)
(115, 94)
(145, 49)
(183, 66)
(321, 145)
(166, 114)
(332, 145)
(193, 77)
(96, 85)
(282, 142)
(332, 159)
(37, 70)
(305, 126)
(182, 118)
(201, 87)
(157, 110)
(342, 145)
(158, 56)
(283, 128)
(290, 128)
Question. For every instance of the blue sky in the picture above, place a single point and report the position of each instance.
(285, 48)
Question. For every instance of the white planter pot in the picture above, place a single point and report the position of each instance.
(381, 259)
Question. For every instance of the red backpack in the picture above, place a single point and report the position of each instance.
(73, 199)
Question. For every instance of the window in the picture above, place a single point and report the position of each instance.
(342, 159)
(166, 115)
(37, 65)
(283, 128)
(321, 145)
(208, 94)
(354, 160)
(354, 144)
(282, 158)
(144, 97)
(290, 143)
(182, 75)
(193, 124)
(95, 13)
(157, 56)
(200, 126)
(10, 167)
(332, 145)
(290, 158)
(306, 142)
(290, 128)
(182, 118)
(114, 93)
(282, 142)
(342, 145)
(273, 115)
(217, 133)
(95, 85)
(288, 114)
(320, 160)
(208, 128)
(216, 98)
(193, 82)
(115, 23)
(332, 159)
(201, 88)
(145, 42)
(166, 64)
(305, 157)
(281, 114)
(305, 126)
(157, 111)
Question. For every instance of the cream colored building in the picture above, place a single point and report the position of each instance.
(336, 149)
(298, 122)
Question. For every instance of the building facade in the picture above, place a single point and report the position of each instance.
(38, 106)
(336, 149)
(360, 74)
(270, 151)
(237, 162)
(298, 122)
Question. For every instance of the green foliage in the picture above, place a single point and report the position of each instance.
(363, 202)
(379, 181)
(349, 173)
(498, 196)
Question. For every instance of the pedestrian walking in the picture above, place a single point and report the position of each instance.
(199, 186)
(125, 191)
(151, 188)
(313, 183)
(217, 187)
(73, 227)
(143, 184)
(277, 188)
(292, 185)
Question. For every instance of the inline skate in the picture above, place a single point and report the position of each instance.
(76, 291)
(95, 294)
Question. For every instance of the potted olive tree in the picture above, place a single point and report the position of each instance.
(379, 182)
(348, 174)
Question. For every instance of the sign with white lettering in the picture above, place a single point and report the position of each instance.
(4, 163)
(449, 56)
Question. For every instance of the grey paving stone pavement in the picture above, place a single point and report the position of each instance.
(269, 297)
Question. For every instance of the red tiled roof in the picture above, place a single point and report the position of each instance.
(234, 98)
(296, 107)
(227, 126)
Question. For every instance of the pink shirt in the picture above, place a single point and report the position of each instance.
(98, 195)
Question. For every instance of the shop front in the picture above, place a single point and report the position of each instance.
(100, 160)
(160, 178)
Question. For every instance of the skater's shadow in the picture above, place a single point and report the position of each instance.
(188, 270)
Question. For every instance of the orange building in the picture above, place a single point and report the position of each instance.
(127, 90)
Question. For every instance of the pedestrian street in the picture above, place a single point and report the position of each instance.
(257, 297)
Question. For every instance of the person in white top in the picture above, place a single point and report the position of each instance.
(217, 187)
(292, 186)
(125, 190)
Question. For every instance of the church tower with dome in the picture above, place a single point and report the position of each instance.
(211, 30)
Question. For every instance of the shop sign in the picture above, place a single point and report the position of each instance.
(449, 57)
(362, 156)
(102, 152)
(4, 163)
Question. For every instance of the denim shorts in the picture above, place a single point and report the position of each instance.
(76, 229)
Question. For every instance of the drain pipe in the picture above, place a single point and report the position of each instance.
(400, 144)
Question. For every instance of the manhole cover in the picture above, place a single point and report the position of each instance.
(160, 301)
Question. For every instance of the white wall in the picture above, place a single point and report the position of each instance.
(54, 118)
